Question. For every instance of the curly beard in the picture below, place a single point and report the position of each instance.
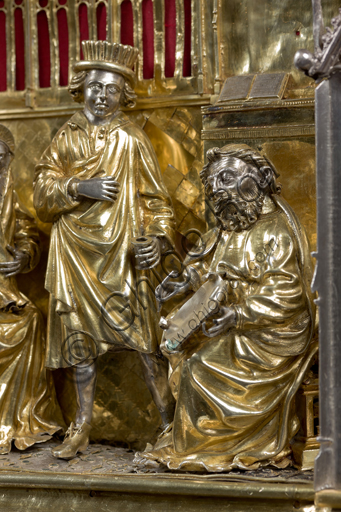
(236, 214)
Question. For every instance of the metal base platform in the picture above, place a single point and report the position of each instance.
(105, 478)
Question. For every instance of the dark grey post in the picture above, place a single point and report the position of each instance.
(325, 67)
(328, 278)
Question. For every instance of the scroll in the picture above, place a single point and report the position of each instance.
(193, 314)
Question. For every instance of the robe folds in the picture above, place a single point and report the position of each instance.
(29, 412)
(96, 294)
(235, 392)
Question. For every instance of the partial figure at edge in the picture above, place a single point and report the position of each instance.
(29, 411)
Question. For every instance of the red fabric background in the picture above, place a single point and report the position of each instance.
(170, 37)
(63, 39)
(83, 25)
(19, 50)
(127, 37)
(186, 71)
(101, 22)
(127, 25)
(44, 50)
(148, 39)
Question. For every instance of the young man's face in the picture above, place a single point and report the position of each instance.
(102, 92)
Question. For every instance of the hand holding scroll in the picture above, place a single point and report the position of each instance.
(227, 318)
(149, 255)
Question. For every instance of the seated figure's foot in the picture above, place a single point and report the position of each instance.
(146, 459)
(164, 437)
(76, 440)
(164, 429)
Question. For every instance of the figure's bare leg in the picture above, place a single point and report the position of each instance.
(77, 437)
(155, 369)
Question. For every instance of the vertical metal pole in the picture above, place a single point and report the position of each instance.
(328, 279)
(198, 6)
(318, 28)
(73, 27)
(111, 21)
(324, 67)
(92, 17)
(31, 42)
(159, 40)
(217, 78)
(10, 40)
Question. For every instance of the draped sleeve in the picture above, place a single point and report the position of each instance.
(155, 202)
(26, 236)
(51, 197)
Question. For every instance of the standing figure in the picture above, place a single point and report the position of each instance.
(236, 374)
(100, 184)
(28, 406)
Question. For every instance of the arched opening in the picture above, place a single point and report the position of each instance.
(19, 48)
(127, 23)
(148, 38)
(101, 13)
(187, 67)
(44, 57)
(63, 42)
(170, 37)
(83, 26)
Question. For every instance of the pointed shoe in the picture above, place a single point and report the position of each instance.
(76, 440)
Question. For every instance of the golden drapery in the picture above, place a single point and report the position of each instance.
(91, 276)
(235, 392)
(28, 406)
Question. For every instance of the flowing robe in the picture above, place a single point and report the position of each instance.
(235, 392)
(95, 290)
(28, 406)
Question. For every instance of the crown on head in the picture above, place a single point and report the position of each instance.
(109, 57)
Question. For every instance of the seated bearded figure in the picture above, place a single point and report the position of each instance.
(236, 374)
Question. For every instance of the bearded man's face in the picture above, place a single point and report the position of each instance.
(233, 186)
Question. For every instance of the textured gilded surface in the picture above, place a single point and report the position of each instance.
(295, 162)
(264, 36)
